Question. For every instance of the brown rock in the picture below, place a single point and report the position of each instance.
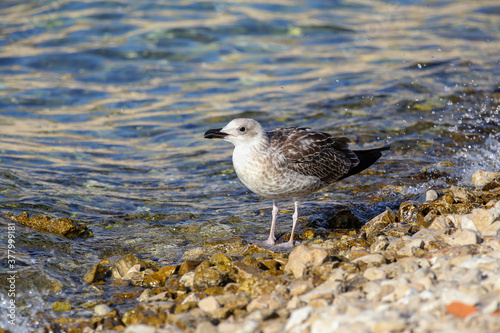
(206, 277)
(158, 278)
(257, 286)
(62, 226)
(220, 259)
(97, 273)
(229, 245)
(374, 227)
(409, 213)
(121, 267)
(463, 195)
(304, 258)
(188, 266)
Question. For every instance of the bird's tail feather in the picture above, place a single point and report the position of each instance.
(366, 159)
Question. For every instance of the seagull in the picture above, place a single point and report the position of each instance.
(290, 163)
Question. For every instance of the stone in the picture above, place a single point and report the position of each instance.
(428, 196)
(482, 218)
(97, 273)
(374, 273)
(209, 304)
(441, 222)
(381, 243)
(62, 226)
(188, 266)
(466, 237)
(206, 277)
(121, 267)
(257, 286)
(304, 259)
(409, 213)
(482, 177)
(271, 301)
(206, 327)
(371, 260)
(463, 195)
(61, 307)
(220, 259)
(299, 287)
(492, 230)
(187, 280)
(461, 310)
(374, 227)
(158, 278)
(298, 316)
(140, 328)
(101, 310)
(343, 219)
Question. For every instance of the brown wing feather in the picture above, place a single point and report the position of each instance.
(314, 153)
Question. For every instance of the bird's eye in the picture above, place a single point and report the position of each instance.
(242, 129)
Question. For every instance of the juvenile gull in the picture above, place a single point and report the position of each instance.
(290, 162)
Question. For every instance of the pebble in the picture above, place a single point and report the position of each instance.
(101, 310)
(393, 275)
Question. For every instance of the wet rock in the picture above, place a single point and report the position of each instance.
(62, 226)
(303, 259)
(151, 314)
(101, 310)
(199, 254)
(230, 245)
(482, 177)
(220, 259)
(206, 277)
(374, 227)
(121, 267)
(188, 266)
(257, 286)
(463, 195)
(98, 273)
(428, 196)
(381, 243)
(343, 219)
(409, 213)
(157, 279)
(61, 307)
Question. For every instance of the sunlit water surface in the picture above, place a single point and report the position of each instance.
(103, 106)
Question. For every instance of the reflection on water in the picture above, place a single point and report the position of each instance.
(103, 105)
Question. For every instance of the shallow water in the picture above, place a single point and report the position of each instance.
(103, 106)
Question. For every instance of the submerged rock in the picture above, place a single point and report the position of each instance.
(62, 226)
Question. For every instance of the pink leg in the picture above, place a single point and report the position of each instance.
(295, 218)
(271, 240)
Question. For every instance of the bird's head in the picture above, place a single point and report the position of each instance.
(239, 131)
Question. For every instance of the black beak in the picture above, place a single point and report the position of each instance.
(214, 134)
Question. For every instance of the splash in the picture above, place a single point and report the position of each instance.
(485, 156)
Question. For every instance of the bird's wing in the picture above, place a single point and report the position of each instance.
(313, 153)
